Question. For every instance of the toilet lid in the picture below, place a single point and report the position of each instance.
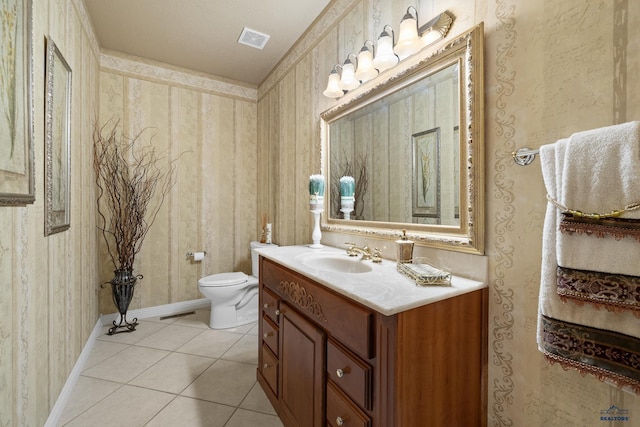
(224, 279)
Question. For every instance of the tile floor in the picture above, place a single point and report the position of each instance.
(172, 372)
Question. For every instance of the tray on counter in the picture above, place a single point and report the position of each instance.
(425, 274)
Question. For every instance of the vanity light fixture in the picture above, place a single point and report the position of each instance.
(385, 58)
(348, 81)
(333, 89)
(435, 29)
(408, 39)
(365, 70)
(375, 59)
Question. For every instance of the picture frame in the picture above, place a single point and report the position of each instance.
(426, 173)
(17, 176)
(57, 141)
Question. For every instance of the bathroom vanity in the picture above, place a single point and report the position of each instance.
(346, 344)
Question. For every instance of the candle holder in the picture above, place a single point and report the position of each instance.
(316, 210)
(346, 205)
(316, 205)
(347, 196)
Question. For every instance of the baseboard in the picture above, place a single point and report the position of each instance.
(105, 319)
(63, 398)
(159, 310)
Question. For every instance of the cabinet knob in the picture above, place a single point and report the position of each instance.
(277, 312)
(339, 421)
(266, 305)
(265, 366)
(339, 373)
(266, 334)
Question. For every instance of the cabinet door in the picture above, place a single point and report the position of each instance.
(302, 363)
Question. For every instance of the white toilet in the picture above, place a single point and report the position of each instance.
(234, 296)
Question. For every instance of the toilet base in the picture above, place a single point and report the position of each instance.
(231, 317)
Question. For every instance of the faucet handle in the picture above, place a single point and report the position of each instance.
(377, 255)
(350, 249)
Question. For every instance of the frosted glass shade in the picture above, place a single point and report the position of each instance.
(385, 58)
(348, 80)
(365, 70)
(333, 86)
(430, 36)
(408, 40)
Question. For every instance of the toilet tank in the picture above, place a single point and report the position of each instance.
(255, 256)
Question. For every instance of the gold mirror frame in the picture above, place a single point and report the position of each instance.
(467, 51)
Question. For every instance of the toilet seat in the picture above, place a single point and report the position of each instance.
(224, 279)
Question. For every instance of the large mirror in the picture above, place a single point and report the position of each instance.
(412, 139)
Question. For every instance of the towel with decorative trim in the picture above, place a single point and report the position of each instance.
(601, 173)
(593, 172)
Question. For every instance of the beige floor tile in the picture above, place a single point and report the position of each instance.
(198, 320)
(86, 393)
(173, 373)
(184, 411)
(256, 400)
(143, 330)
(210, 343)
(126, 365)
(242, 329)
(245, 350)
(169, 338)
(130, 406)
(253, 330)
(102, 350)
(224, 382)
(244, 418)
(161, 319)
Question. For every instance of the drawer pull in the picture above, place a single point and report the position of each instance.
(340, 421)
(341, 372)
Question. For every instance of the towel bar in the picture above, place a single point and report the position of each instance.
(524, 156)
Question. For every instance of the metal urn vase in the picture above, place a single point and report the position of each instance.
(123, 285)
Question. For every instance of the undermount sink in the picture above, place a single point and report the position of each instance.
(337, 263)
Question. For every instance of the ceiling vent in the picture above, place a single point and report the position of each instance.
(253, 38)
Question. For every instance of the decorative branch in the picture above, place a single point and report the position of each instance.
(128, 176)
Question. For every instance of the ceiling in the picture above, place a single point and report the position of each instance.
(202, 35)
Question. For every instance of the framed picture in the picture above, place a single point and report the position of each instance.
(17, 182)
(57, 141)
(426, 173)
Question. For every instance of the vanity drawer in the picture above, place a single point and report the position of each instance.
(350, 373)
(342, 412)
(347, 321)
(270, 305)
(270, 369)
(270, 334)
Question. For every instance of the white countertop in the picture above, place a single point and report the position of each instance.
(382, 289)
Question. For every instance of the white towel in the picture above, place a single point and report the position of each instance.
(589, 251)
(600, 173)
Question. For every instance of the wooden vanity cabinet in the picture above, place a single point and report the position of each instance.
(327, 360)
